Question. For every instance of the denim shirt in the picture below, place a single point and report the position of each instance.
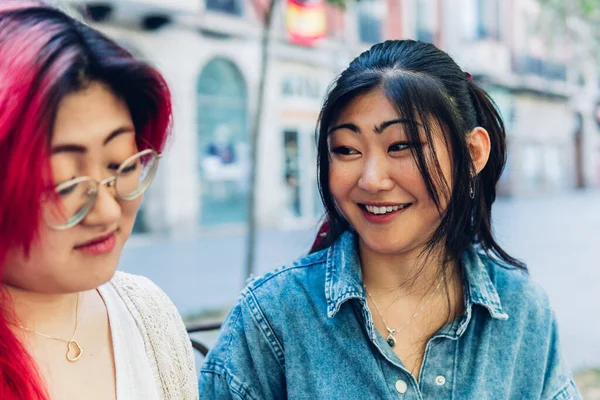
(305, 332)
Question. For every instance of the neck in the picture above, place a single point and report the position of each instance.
(49, 313)
(414, 273)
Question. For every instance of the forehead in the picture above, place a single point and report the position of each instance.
(372, 105)
(85, 117)
(374, 112)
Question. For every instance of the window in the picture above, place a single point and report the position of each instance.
(292, 173)
(223, 144)
(226, 6)
(302, 199)
(426, 20)
(370, 15)
(488, 19)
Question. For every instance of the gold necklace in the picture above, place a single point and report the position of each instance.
(391, 339)
(72, 345)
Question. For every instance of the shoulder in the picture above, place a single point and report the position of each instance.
(529, 338)
(165, 337)
(138, 286)
(148, 304)
(273, 300)
(145, 300)
(247, 359)
(520, 296)
(268, 303)
(307, 271)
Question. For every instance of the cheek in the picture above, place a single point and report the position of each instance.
(342, 178)
(54, 243)
(47, 258)
(416, 184)
(406, 175)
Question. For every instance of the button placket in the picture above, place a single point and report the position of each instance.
(437, 369)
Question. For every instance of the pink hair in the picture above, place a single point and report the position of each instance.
(44, 54)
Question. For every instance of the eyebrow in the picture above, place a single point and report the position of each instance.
(75, 148)
(377, 128)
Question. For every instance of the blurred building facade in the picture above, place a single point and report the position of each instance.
(544, 82)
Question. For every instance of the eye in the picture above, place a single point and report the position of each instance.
(130, 167)
(66, 190)
(396, 147)
(344, 150)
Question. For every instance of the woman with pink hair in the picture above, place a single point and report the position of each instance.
(82, 128)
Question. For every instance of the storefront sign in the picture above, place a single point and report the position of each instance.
(305, 21)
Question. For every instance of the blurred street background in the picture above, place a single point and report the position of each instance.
(248, 78)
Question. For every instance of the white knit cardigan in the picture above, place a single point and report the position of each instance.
(166, 341)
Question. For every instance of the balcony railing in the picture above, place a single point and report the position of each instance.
(524, 65)
(233, 7)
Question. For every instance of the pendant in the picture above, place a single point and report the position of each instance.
(74, 347)
(391, 340)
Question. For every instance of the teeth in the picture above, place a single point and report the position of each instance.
(384, 210)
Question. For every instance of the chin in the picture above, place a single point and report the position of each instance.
(386, 247)
(99, 270)
(94, 279)
(383, 248)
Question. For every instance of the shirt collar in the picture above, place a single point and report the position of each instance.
(479, 288)
(343, 279)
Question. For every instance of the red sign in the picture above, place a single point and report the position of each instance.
(305, 21)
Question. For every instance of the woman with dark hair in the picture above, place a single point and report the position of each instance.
(82, 127)
(407, 295)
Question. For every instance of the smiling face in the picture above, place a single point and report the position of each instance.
(375, 181)
(93, 134)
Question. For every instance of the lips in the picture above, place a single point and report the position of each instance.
(385, 209)
(100, 245)
(383, 213)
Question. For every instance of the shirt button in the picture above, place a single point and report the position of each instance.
(401, 386)
(440, 380)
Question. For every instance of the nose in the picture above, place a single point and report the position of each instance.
(106, 210)
(375, 176)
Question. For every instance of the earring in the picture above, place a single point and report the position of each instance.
(472, 190)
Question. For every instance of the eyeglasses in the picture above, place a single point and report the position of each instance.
(76, 197)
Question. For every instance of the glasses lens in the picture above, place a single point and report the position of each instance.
(74, 200)
(136, 175)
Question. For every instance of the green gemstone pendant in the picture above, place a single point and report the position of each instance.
(391, 340)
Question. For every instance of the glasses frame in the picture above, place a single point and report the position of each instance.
(110, 182)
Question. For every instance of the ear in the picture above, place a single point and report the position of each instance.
(478, 142)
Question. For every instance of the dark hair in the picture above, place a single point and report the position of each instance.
(44, 56)
(426, 85)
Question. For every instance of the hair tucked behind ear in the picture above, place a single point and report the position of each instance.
(489, 118)
(426, 85)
